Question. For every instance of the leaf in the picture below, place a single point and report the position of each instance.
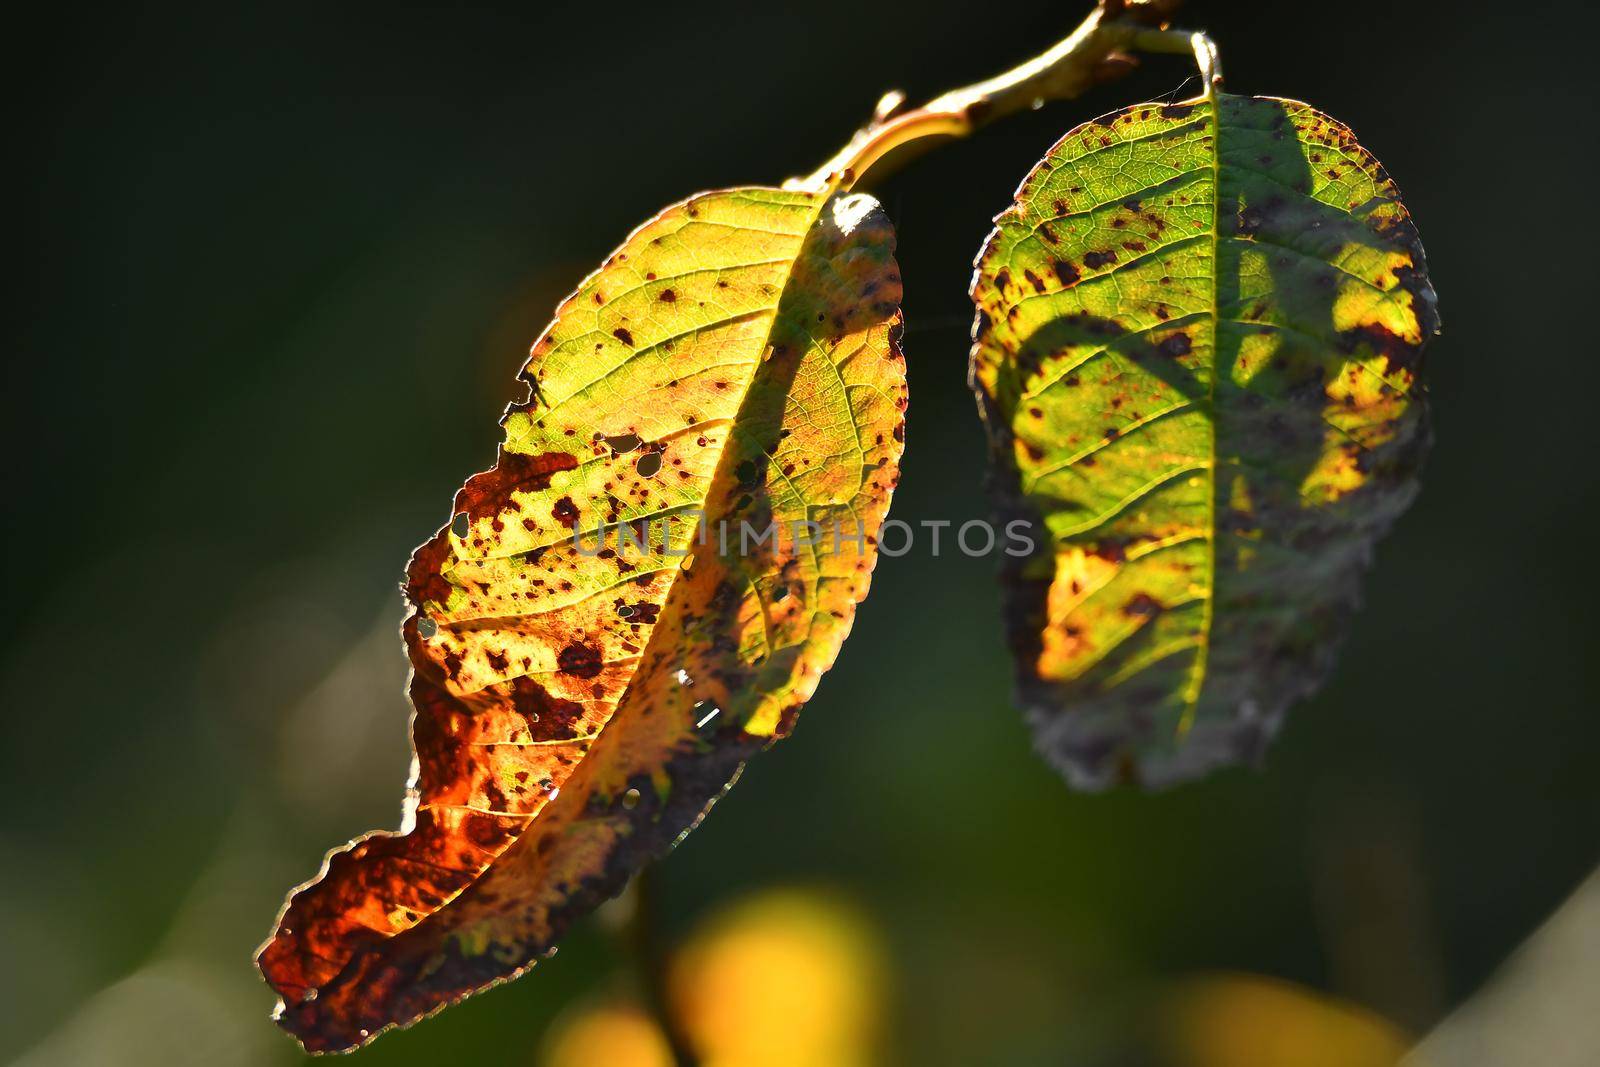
(578, 709)
(1196, 351)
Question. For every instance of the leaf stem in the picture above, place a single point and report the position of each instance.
(1204, 49)
(1099, 50)
(650, 956)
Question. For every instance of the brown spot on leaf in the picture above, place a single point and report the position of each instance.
(1175, 345)
(487, 493)
(580, 660)
(1142, 605)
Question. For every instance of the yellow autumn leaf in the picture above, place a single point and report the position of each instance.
(597, 644)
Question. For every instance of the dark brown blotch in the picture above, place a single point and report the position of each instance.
(581, 660)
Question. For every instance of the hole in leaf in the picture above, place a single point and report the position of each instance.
(706, 711)
(623, 443)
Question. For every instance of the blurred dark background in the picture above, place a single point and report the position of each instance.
(279, 265)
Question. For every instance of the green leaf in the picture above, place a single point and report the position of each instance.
(1196, 351)
(578, 706)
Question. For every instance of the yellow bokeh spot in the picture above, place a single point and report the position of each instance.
(611, 1035)
(785, 979)
(1249, 1021)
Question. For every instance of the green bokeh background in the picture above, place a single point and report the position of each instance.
(279, 265)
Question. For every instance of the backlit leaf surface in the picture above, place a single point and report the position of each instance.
(1197, 353)
(577, 710)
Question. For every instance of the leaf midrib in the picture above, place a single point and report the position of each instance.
(535, 818)
(1197, 677)
(822, 199)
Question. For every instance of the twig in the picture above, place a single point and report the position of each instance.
(1099, 50)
